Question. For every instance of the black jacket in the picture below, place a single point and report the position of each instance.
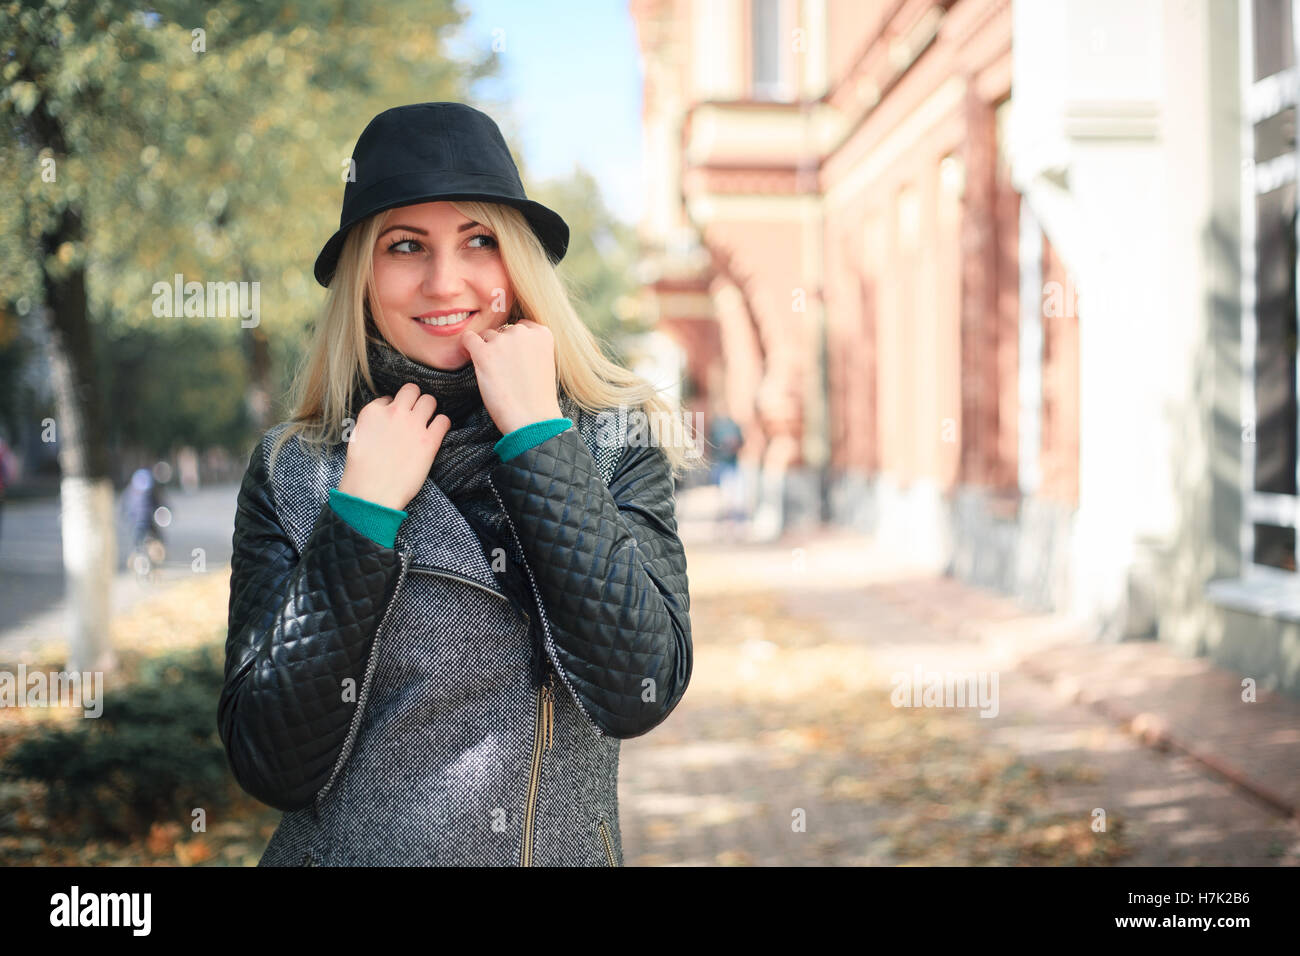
(435, 656)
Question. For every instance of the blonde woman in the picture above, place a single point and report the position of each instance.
(457, 582)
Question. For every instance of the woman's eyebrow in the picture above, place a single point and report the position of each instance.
(470, 224)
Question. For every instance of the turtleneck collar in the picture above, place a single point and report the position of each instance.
(456, 391)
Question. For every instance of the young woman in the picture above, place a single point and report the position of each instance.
(456, 581)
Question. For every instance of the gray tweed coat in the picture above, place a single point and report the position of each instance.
(381, 696)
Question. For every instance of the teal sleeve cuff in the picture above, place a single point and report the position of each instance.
(377, 522)
(522, 439)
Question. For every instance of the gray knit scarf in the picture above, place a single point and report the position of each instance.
(461, 466)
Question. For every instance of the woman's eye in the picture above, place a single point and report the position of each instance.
(396, 245)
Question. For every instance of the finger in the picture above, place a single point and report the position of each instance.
(424, 406)
(438, 428)
(469, 341)
(407, 396)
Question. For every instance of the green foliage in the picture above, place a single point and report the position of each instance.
(153, 754)
(193, 151)
(15, 352)
(178, 382)
(209, 139)
(601, 256)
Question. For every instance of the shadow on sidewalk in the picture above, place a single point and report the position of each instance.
(800, 646)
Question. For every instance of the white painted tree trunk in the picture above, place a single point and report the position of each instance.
(90, 562)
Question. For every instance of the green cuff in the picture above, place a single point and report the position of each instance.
(522, 439)
(377, 522)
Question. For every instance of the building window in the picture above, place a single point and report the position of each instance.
(1269, 262)
(765, 49)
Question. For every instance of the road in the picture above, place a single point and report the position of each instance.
(32, 582)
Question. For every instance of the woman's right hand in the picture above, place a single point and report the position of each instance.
(392, 447)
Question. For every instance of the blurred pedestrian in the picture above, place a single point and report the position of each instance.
(726, 438)
(187, 465)
(8, 472)
(140, 503)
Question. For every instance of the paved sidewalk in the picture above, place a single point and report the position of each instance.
(1170, 702)
(788, 714)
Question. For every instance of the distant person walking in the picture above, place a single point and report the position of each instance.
(140, 503)
(8, 473)
(726, 438)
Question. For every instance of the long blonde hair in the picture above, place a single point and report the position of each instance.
(336, 358)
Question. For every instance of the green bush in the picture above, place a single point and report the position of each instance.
(153, 754)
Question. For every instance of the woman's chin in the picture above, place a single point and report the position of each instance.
(446, 363)
(444, 356)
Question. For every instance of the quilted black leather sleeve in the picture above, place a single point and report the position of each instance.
(611, 573)
(299, 626)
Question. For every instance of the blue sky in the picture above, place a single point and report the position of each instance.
(570, 85)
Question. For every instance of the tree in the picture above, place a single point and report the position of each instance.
(600, 260)
(149, 140)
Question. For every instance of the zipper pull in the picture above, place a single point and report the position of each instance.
(548, 711)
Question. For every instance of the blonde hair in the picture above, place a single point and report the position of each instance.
(336, 358)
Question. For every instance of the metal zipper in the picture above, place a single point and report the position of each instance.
(546, 627)
(609, 845)
(548, 696)
(452, 575)
(365, 688)
(543, 733)
(544, 720)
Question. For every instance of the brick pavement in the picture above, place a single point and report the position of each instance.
(782, 628)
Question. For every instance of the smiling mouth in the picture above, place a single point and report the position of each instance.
(454, 319)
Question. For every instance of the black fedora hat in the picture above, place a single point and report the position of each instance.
(425, 152)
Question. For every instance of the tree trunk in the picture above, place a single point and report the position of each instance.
(87, 514)
(258, 350)
(86, 517)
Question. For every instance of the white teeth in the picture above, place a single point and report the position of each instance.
(447, 319)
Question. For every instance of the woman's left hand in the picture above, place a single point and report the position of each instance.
(515, 368)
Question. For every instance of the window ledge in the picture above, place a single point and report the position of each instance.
(1265, 591)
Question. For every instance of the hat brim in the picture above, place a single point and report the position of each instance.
(549, 227)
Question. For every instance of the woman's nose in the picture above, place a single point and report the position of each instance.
(442, 279)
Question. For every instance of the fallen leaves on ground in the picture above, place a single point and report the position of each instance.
(948, 797)
(185, 614)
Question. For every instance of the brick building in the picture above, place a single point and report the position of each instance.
(970, 275)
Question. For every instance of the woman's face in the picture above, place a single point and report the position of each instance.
(430, 262)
